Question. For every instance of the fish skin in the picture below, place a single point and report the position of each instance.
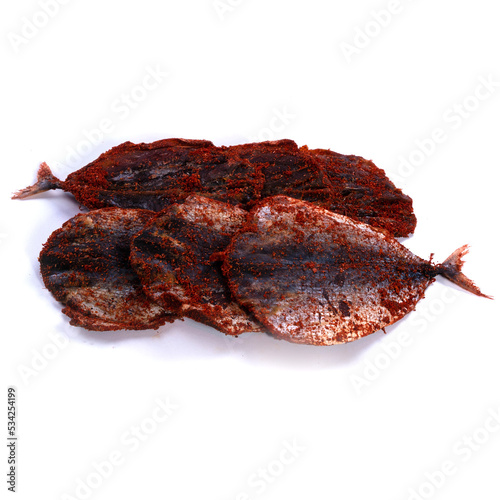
(316, 277)
(85, 265)
(154, 175)
(345, 184)
(172, 256)
(368, 196)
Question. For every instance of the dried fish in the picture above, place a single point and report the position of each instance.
(349, 185)
(316, 277)
(172, 256)
(362, 191)
(153, 176)
(85, 265)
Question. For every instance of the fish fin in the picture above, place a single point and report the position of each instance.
(451, 269)
(44, 182)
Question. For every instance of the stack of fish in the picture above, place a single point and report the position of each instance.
(259, 237)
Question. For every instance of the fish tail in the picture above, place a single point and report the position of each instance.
(451, 269)
(45, 181)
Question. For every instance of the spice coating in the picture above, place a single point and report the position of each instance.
(315, 277)
(85, 265)
(153, 176)
(173, 257)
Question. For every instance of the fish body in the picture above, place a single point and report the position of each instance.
(172, 255)
(85, 265)
(153, 176)
(312, 276)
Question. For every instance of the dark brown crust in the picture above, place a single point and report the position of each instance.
(172, 257)
(85, 265)
(153, 176)
(362, 191)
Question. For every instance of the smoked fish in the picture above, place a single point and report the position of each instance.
(85, 265)
(153, 176)
(173, 256)
(312, 276)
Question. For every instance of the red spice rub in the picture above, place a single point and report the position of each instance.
(153, 176)
(173, 257)
(85, 265)
(315, 277)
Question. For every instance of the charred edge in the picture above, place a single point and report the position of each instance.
(451, 270)
(45, 181)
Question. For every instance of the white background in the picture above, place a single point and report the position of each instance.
(363, 424)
